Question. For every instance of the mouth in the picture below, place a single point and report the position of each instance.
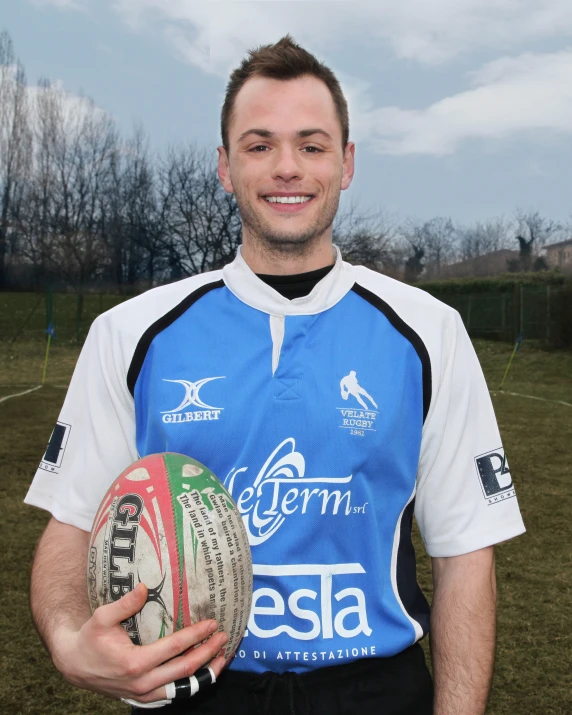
(293, 203)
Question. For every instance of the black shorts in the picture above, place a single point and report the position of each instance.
(400, 685)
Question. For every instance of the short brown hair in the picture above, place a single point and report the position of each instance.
(284, 60)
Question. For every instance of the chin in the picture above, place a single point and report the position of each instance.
(290, 244)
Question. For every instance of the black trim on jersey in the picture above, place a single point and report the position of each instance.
(407, 331)
(411, 595)
(158, 326)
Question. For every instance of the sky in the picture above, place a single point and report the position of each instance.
(459, 108)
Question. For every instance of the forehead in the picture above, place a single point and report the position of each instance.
(284, 106)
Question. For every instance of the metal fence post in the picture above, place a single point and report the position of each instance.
(49, 307)
(548, 313)
(521, 326)
(469, 311)
(79, 313)
(515, 313)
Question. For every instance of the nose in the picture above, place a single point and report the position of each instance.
(287, 165)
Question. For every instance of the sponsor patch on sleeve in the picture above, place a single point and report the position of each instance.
(52, 459)
(494, 473)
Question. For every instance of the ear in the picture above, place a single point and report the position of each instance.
(223, 170)
(349, 165)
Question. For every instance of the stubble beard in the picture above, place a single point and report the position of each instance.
(290, 243)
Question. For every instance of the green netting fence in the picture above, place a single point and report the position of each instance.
(541, 313)
(536, 311)
(27, 316)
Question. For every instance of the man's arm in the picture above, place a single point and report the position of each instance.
(463, 631)
(95, 652)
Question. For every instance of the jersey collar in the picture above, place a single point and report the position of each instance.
(247, 287)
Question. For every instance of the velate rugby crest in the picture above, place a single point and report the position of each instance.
(169, 522)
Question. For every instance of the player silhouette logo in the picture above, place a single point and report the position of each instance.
(349, 385)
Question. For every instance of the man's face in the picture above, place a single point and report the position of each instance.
(285, 145)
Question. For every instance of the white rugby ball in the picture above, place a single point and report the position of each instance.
(169, 522)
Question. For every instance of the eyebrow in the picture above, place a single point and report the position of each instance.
(267, 134)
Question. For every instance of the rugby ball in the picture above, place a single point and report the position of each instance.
(169, 522)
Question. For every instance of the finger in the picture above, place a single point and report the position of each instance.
(113, 613)
(185, 665)
(154, 654)
(160, 693)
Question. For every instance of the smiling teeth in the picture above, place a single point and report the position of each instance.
(287, 199)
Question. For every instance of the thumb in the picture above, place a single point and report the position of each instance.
(113, 613)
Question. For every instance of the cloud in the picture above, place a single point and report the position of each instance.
(71, 109)
(214, 35)
(513, 96)
(61, 4)
(510, 97)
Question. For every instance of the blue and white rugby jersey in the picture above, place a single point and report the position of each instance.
(331, 418)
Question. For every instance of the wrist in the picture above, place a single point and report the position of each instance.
(62, 650)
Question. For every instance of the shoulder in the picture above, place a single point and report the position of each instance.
(116, 334)
(433, 321)
(134, 316)
(433, 327)
(410, 303)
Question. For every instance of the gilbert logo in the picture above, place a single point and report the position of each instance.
(359, 421)
(125, 518)
(281, 488)
(207, 412)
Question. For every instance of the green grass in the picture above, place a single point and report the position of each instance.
(532, 673)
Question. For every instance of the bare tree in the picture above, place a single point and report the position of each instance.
(15, 147)
(533, 231)
(143, 216)
(414, 263)
(202, 221)
(436, 240)
(366, 238)
(75, 143)
(482, 237)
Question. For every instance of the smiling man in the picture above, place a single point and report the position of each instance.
(344, 403)
(286, 165)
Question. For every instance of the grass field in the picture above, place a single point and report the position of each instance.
(532, 674)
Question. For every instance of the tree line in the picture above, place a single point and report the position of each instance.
(80, 205)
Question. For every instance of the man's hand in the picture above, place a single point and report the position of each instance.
(101, 657)
(463, 631)
(94, 651)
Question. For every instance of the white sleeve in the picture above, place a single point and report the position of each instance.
(465, 497)
(94, 438)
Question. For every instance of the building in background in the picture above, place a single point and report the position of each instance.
(559, 255)
(489, 264)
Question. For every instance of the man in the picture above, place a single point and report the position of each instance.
(327, 487)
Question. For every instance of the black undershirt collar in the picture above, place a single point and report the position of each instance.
(297, 285)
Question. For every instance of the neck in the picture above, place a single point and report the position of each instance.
(283, 264)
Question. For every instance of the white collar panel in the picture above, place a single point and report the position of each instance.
(247, 287)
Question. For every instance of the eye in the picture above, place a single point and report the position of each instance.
(315, 149)
(258, 146)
